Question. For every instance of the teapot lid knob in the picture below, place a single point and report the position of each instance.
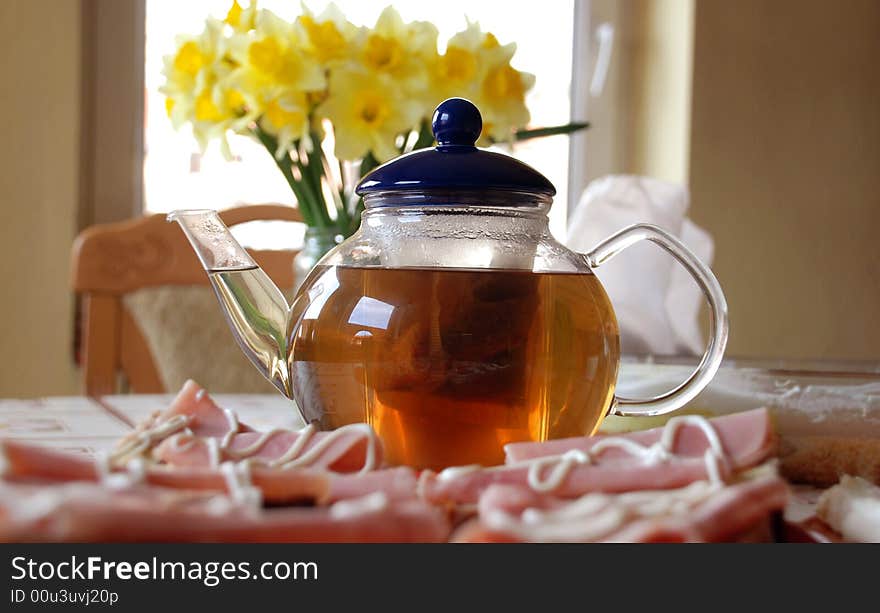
(457, 122)
(456, 163)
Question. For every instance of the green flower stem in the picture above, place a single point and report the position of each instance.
(285, 165)
(311, 185)
(551, 130)
(342, 185)
(356, 202)
(369, 163)
(316, 172)
(308, 191)
(426, 136)
(343, 220)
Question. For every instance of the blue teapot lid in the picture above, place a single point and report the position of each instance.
(455, 163)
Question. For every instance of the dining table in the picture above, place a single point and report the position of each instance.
(90, 424)
(805, 397)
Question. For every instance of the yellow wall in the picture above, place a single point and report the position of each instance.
(641, 122)
(39, 161)
(660, 51)
(785, 171)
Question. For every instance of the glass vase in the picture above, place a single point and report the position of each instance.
(317, 242)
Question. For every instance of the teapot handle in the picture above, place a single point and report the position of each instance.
(719, 327)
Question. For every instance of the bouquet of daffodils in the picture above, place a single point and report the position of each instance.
(330, 100)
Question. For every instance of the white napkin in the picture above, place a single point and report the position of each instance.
(656, 301)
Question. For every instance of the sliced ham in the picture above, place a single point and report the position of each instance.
(22, 462)
(196, 433)
(697, 513)
(727, 516)
(85, 512)
(398, 483)
(514, 499)
(612, 476)
(747, 437)
(192, 411)
(345, 453)
(205, 417)
(747, 441)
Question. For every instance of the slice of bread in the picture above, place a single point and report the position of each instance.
(822, 460)
(828, 422)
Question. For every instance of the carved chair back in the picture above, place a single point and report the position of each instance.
(111, 260)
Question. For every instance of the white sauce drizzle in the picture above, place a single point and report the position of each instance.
(606, 513)
(454, 472)
(183, 441)
(295, 456)
(234, 427)
(213, 452)
(102, 465)
(547, 474)
(239, 484)
(422, 483)
(354, 507)
(134, 473)
(147, 439)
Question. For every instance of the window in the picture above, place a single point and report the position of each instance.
(177, 175)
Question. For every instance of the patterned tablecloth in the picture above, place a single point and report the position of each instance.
(802, 395)
(87, 425)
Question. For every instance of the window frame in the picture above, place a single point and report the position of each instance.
(112, 115)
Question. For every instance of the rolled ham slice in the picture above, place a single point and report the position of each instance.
(205, 417)
(346, 452)
(620, 476)
(22, 462)
(398, 483)
(747, 440)
(86, 512)
(192, 411)
(693, 514)
(732, 514)
(747, 437)
(196, 433)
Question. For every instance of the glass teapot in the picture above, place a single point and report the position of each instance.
(452, 321)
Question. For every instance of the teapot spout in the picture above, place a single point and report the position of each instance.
(255, 309)
(212, 241)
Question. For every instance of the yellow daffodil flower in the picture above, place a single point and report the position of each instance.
(374, 85)
(241, 19)
(464, 65)
(476, 66)
(287, 118)
(274, 57)
(199, 89)
(277, 77)
(403, 51)
(502, 101)
(329, 36)
(367, 114)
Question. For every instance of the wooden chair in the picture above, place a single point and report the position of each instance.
(111, 260)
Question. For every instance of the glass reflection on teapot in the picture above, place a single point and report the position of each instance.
(452, 321)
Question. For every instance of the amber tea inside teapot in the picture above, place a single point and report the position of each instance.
(452, 321)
